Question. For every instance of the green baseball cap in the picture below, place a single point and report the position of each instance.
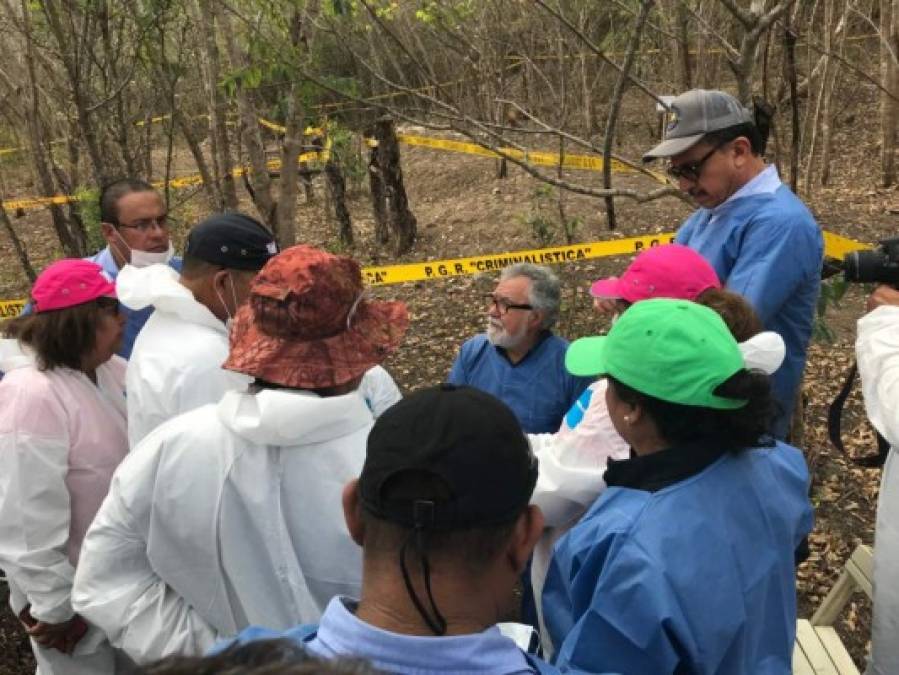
(674, 350)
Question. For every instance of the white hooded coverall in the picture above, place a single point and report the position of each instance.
(61, 438)
(877, 354)
(226, 516)
(175, 365)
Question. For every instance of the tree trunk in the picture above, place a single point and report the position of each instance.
(587, 100)
(148, 148)
(72, 240)
(78, 69)
(888, 105)
(400, 219)
(337, 196)
(790, 75)
(681, 18)
(193, 144)
(122, 124)
(378, 197)
(220, 144)
(291, 146)
(816, 113)
(830, 81)
(251, 134)
(615, 107)
(17, 245)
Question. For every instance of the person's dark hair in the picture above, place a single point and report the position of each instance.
(193, 267)
(260, 657)
(111, 193)
(679, 424)
(736, 311)
(757, 132)
(62, 337)
(473, 548)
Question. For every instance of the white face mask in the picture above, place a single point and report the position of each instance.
(147, 258)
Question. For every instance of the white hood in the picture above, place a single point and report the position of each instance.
(13, 355)
(289, 418)
(158, 285)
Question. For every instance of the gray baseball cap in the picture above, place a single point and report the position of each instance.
(696, 113)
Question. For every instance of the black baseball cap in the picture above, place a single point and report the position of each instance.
(233, 240)
(466, 439)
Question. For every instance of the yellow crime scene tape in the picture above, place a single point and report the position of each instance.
(454, 267)
(29, 203)
(309, 131)
(835, 246)
(11, 308)
(539, 158)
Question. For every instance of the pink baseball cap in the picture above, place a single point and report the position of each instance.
(670, 271)
(70, 282)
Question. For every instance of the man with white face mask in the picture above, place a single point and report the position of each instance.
(177, 358)
(518, 359)
(176, 363)
(134, 223)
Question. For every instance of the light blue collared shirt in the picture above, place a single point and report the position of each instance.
(764, 183)
(342, 634)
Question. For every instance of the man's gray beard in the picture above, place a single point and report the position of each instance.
(498, 337)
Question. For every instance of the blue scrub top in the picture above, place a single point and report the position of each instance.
(768, 248)
(684, 573)
(538, 389)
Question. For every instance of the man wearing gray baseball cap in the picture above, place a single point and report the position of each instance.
(761, 239)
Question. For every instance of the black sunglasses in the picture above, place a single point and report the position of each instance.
(692, 170)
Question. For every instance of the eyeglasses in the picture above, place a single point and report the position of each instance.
(146, 224)
(692, 170)
(503, 305)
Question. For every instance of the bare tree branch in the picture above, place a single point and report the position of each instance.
(599, 52)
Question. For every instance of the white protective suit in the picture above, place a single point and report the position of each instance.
(175, 365)
(226, 516)
(877, 353)
(61, 438)
(572, 462)
(176, 362)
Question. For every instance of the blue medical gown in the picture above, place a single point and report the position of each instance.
(698, 577)
(768, 248)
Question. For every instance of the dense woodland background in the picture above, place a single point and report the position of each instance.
(92, 90)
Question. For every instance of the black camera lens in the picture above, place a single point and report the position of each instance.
(870, 267)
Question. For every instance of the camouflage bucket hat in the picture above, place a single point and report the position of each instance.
(308, 325)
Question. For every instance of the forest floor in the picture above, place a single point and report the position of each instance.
(463, 209)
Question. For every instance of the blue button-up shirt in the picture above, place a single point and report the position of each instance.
(538, 389)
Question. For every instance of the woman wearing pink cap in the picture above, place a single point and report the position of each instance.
(573, 460)
(63, 432)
